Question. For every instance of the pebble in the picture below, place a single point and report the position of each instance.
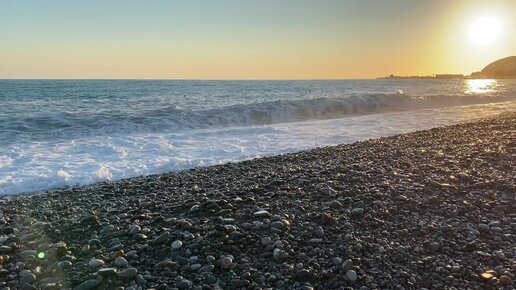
(95, 263)
(28, 253)
(184, 284)
(134, 229)
(351, 276)
(121, 262)
(176, 245)
(336, 204)
(261, 214)
(87, 285)
(106, 272)
(302, 273)
(347, 265)
(206, 269)
(195, 267)
(505, 280)
(277, 225)
(5, 249)
(357, 212)
(27, 279)
(140, 280)
(185, 224)
(266, 241)
(163, 238)
(483, 228)
(434, 247)
(64, 265)
(128, 273)
(226, 263)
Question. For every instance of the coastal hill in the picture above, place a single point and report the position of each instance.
(502, 68)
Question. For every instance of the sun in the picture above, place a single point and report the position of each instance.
(485, 30)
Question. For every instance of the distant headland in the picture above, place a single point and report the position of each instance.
(504, 68)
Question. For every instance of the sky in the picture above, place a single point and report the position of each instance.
(238, 39)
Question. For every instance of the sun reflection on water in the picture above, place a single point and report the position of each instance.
(480, 86)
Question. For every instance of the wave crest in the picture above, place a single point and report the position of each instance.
(173, 118)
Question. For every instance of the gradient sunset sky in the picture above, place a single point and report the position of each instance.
(266, 39)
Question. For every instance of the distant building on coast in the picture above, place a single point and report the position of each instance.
(504, 68)
(449, 76)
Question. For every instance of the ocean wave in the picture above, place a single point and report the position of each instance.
(173, 118)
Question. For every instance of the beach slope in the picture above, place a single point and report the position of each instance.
(432, 209)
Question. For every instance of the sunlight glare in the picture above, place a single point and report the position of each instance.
(480, 86)
(485, 30)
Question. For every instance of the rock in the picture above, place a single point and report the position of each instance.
(319, 232)
(266, 241)
(335, 204)
(121, 262)
(505, 280)
(351, 276)
(483, 228)
(358, 204)
(140, 236)
(227, 220)
(95, 263)
(347, 265)
(206, 269)
(64, 265)
(127, 274)
(356, 212)
(27, 286)
(163, 238)
(134, 229)
(176, 245)
(327, 190)
(106, 272)
(167, 264)
(5, 250)
(279, 255)
(261, 214)
(195, 267)
(488, 275)
(226, 263)
(8, 230)
(184, 284)
(337, 261)
(87, 285)
(210, 259)
(185, 224)
(28, 253)
(27, 279)
(327, 219)
(434, 247)
(302, 274)
(277, 225)
(140, 280)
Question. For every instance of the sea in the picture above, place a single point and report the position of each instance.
(63, 133)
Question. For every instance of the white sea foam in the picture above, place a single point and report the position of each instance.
(36, 166)
(64, 175)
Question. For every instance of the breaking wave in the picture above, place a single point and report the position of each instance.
(173, 118)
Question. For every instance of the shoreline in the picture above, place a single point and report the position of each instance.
(427, 209)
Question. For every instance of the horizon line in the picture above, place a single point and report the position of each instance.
(182, 79)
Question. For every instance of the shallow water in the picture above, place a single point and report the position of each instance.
(59, 133)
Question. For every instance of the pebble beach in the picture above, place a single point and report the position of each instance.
(433, 209)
